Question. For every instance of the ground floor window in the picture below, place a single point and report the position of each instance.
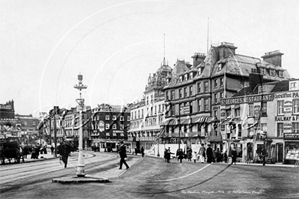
(292, 150)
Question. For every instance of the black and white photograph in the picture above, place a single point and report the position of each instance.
(160, 99)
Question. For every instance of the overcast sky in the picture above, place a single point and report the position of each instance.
(115, 44)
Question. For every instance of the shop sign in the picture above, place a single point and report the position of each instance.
(185, 110)
(287, 95)
(291, 136)
(294, 118)
(287, 107)
(247, 99)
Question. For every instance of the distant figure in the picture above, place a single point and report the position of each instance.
(201, 153)
(218, 155)
(168, 155)
(165, 155)
(209, 153)
(194, 156)
(64, 151)
(135, 151)
(142, 151)
(52, 149)
(189, 154)
(180, 155)
(225, 157)
(122, 152)
(233, 155)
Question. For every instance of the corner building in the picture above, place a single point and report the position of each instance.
(194, 92)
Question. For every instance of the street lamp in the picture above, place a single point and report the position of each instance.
(80, 107)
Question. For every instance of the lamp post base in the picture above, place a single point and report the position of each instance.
(80, 171)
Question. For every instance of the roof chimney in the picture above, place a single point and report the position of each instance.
(198, 58)
(273, 57)
(226, 49)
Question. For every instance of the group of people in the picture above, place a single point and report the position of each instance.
(204, 155)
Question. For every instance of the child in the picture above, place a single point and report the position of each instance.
(194, 157)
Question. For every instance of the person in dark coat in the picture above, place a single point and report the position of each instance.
(209, 154)
(225, 156)
(233, 155)
(168, 155)
(189, 154)
(165, 155)
(142, 151)
(122, 152)
(218, 155)
(64, 151)
(52, 149)
(180, 155)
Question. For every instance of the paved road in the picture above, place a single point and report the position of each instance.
(153, 178)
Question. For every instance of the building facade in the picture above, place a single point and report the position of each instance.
(109, 124)
(194, 91)
(147, 115)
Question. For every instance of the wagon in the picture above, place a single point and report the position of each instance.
(11, 150)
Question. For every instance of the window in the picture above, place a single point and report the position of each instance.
(172, 95)
(237, 112)
(122, 118)
(228, 112)
(167, 95)
(186, 77)
(205, 86)
(206, 106)
(191, 107)
(151, 111)
(216, 83)
(147, 102)
(154, 110)
(295, 106)
(191, 75)
(180, 93)
(199, 87)
(114, 126)
(253, 70)
(138, 113)
(142, 113)
(115, 117)
(151, 99)
(199, 105)
(159, 107)
(215, 113)
(106, 126)
(239, 130)
(251, 110)
(279, 107)
(221, 82)
(216, 97)
(264, 109)
(185, 92)
(280, 73)
(221, 95)
(279, 129)
(191, 90)
(295, 127)
(172, 110)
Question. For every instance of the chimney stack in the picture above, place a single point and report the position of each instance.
(226, 49)
(198, 58)
(273, 57)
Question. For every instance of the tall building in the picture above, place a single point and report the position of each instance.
(194, 92)
(109, 124)
(265, 116)
(7, 120)
(147, 115)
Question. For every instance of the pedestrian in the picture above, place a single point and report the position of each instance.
(64, 151)
(52, 149)
(135, 151)
(123, 156)
(233, 155)
(180, 155)
(165, 154)
(225, 156)
(194, 156)
(168, 155)
(189, 154)
(209, 154)
(218, 155)
(142, 151)
(201, 153)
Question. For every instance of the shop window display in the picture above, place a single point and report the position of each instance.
(292, 153)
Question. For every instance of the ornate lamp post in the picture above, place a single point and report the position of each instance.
(80, 107)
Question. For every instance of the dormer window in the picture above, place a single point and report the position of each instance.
(186, 77)
(280, 73)
(272, 73)
(199, 71)
(180, 78)
(191, 75)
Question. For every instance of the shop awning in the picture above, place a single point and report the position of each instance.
(167, 121)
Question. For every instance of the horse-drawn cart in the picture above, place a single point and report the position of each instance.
(11, 150)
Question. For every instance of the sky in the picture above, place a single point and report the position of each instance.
(116, 44)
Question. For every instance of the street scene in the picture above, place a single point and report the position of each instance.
(149, 99)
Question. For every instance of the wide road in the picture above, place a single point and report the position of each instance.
(153, 178)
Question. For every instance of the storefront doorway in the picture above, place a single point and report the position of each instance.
(279, 148)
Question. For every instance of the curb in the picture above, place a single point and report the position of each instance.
(85, 179)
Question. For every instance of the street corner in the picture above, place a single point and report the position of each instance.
(85, 179)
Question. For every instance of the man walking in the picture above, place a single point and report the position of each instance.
(122, 152)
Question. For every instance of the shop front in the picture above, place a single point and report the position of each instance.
(291, 148)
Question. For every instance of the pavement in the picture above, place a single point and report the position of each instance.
(250, 164)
